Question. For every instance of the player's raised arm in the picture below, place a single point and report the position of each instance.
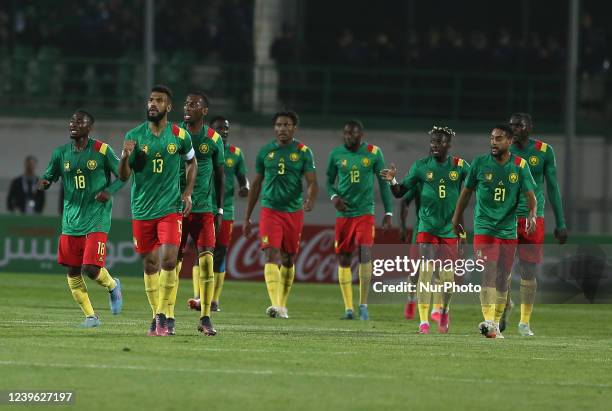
(125, 171)
(52, 173)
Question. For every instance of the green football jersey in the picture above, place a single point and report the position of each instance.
(208, 147)
(498, 192)
(282, 168)
(84, 174)
(543, 165)
(156, 163)
(234, 165)
(440, 188)
(350, 175)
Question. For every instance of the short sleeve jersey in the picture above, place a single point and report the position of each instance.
(84, 174)
(282, 168)
(208, 147)
(498, 191)
(156, 162)
(351, 174)
(234, 165)
(440, 188)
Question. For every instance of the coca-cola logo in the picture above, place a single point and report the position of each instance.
(316, 261)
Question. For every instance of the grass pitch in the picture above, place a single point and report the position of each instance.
(311, 361)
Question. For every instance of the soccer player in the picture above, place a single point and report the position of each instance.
(235, 167)
(499, 179)
(152, 155)
(351, 169)
(85, 166)
(542, 164)
(279, 167)
(440, 177)
(206, 214)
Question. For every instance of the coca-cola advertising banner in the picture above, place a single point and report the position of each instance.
(316, 261)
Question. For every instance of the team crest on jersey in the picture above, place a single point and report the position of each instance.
(294, 156)
(488, 176)
(365, 161)
(513, 177)
(67, 165)
(171, 148)
(533, 160)
(203, 148)
(92, 164)
(229, 162)
(453, 175)
(429, 175)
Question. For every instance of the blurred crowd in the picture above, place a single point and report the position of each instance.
(114, 28)
(449, 47)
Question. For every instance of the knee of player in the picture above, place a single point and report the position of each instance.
(90, 271)
(365, 254)
(168, 263)
(344, 259)
(151, 267)
(272, 255)
(287, 260)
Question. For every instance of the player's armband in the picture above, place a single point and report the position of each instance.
(189, 155)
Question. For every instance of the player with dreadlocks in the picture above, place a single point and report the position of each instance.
(440, 177)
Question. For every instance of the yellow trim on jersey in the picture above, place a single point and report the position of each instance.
(304, 148)
(215, 137)
(182, 133)
(237, 150)
(543, 147)
(103, 148)
(460, 162)
(523, 163)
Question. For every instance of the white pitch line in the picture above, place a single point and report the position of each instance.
(300, 374)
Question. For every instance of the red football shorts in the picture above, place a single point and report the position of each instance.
(281, 229)
(530, 247)
(201, 228)
(352, 232)
(89, 249)
(496, 249)
(225, 234)
(446, 248)
(150, 234)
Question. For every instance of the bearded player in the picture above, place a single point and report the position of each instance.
(500, 179)
(85, 166)
(152, 156)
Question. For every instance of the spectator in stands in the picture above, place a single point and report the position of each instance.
(23, 195)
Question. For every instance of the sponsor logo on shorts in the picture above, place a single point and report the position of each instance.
(92, 164)
(171, 148)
